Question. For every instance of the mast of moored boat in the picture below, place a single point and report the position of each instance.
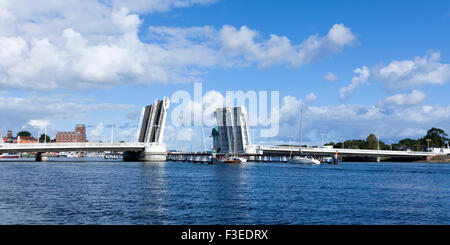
(300, 138)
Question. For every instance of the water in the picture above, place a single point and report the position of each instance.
(114, 192)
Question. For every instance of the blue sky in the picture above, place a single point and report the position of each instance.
(66, 65)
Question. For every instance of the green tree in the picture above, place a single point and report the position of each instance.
(46, 137)
(437, 138)
(23, 134)
(372, 142)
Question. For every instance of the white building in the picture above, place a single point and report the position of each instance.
(441, 151)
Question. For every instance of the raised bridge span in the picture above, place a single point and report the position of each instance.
(149, 145)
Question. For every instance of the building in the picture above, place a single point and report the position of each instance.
(442, 151)
(27, 140)
(9, 138)
(231, 134)
(67, 137)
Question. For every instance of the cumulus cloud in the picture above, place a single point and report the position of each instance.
(279, 50)
(311, 97)
(353, 121)
(362, 75)
(403, 75)
(39, 123)
(36, 110)
(330, 77)
(414, 98)
(360, 120)
(150, 6)
(406, 74)
(96, 133)
(290, 109)
(86, 44)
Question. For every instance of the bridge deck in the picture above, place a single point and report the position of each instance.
(63, 147)
(345, 152)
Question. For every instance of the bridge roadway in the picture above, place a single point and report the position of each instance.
(67, 147)
(286, 150)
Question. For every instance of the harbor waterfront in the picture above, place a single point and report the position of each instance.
(99, 191)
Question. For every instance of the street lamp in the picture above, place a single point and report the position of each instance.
(322, 137)
(428, 141)
(343, 143)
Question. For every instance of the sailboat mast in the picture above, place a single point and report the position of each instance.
(300, 138)
(234, 141)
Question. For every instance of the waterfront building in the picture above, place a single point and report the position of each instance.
(231, 134)
(27, 140)
(9, 138)
(79, 135)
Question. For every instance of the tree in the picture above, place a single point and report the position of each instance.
(372, 142)
(437, 138)
(46, 137)
(23, 134)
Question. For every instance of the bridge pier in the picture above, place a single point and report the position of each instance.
(41, 157)
(152, 153)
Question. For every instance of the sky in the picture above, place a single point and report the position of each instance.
(358, 67)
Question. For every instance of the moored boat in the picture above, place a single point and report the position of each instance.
(9, 155)
(304, 160)
(233, 159)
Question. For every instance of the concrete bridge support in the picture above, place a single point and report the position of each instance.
(41, 157)
(152, 153)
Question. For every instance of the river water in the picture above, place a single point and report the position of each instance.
(96, 191)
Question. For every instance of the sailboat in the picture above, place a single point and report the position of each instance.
(302, 159)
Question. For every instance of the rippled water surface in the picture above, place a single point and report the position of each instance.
(114, 192)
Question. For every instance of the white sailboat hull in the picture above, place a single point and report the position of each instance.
(304, 160)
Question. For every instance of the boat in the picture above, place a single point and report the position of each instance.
(233, 159)
(9, 155)
(302, 159)
(72, 154)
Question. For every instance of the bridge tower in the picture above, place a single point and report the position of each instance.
(151, 131)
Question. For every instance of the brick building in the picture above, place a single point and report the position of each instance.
(78, 136)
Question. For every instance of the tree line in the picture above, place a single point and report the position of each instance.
(42, 138)
(435, 137)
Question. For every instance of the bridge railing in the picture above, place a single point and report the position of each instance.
(81, 145)
(340, 150)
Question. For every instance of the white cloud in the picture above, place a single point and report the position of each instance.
(290, 109)
(414, 98)
(87, 44)
(149, 6)
(36, 110)
(406, 74)
(330, 77)
(360, 120)
(311, 97)
(361, 78)
(39, 123)
(403, 75)
(279, 50)
(97, 133)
